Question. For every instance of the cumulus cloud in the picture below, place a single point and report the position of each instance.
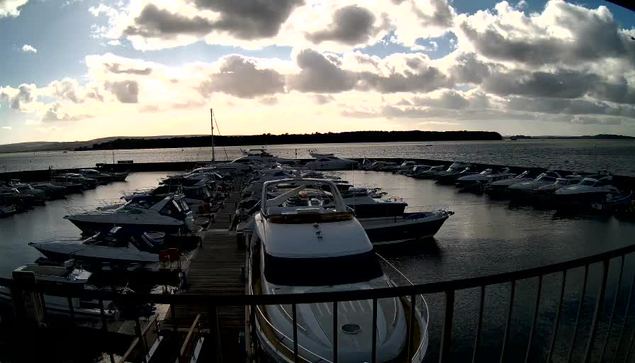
(23, 98)
(242, 77)
(11, 7)
(320, 74)
(154, 22)
(564, 33)
(56, 112)
(28, 49)
(6, 127)
(351, 25)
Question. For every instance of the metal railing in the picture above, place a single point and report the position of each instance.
(447, 288)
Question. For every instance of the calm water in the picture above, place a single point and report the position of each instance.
(580, 155)
(484, 236)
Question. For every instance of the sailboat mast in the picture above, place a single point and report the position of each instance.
(211, 113)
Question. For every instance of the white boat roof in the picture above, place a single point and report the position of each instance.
(339, 238)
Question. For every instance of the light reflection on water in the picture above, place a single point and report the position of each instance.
(579, 155)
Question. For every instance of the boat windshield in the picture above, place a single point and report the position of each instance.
(587, 182)
(322, 271)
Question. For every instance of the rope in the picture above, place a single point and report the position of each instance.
(219, 134)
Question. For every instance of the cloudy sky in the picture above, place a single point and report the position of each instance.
(82, 69)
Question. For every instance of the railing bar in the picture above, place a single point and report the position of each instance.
(373, 357)
(335, 329)
(535, 320)
(510, 310)
(413, 304)
(479, 323)
(617, 293)
(598, 311)
(446, 334)
(295, 332)
(628, 308)
(579, 313)
(43, 305)
(630, 348)
(558, 311)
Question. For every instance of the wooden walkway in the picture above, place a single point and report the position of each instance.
(217, 270)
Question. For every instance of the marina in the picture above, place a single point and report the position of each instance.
(475, 228)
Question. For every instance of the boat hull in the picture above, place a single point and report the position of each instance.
(379, 209)
(397, 230)
(92, 227)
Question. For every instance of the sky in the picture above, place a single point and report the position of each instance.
(84, 69)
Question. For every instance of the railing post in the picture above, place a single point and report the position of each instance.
(535, 319)
(139, 332)
(558, 311)
(446, 334)
(294, 313)
(373, 349)
(215, 332)
(335, 329)
(617, 293)
(413, 304)
(598, 311)
(509, 319)
(628, 308)
(479, 323)
(579, 313)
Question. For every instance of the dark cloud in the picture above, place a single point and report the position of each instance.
(248, 19)
(240, 77)
(68, 89)
(569, 107)
(269, 100)
(448, 100)
(468, 69)
(125, 91)
(442, 16)
(118, 69)
(560, 84)
(424, 79)
(18, 101)
(351, 25)
(321, 75)
(594, 35)
(160, 23)
(243, 19)
(323, 99)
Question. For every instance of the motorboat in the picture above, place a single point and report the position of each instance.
(330, 162)
(544, 196)
(260, 156)
(429, 173)
(118, 176)
(114, 246)
(68, 280)
(453, 172)
(588, 191)
(499, 188)
(528, 188)
(365, 206)
(7, 209)
(304, 244)
(416, 169)
(20, 201)
(405, 167)
(89, 183)
(39, 196)
(51, 191)
(196, 196)
(404, 228)
(170, 214)
(70, 183)
(477, 182)
(102, 178)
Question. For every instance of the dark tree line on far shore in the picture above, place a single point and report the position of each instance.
(315, 138)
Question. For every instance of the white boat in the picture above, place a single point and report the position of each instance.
(6, 210)
(330, 162)
(66, 279)
(404, 228)
(144, 213)
(499, 188)
(477, 182)
(115, 246)
(39, 196)
(588, 191)
(304, 244)
(544, 196)
(528, 188)
(260, 156)
(102, 178)
(452, 172)
(429, 173)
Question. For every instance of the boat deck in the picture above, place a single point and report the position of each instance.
(216, 269)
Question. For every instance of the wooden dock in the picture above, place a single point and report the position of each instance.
(217, 269)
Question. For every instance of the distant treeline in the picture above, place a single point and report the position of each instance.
(315, 138)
